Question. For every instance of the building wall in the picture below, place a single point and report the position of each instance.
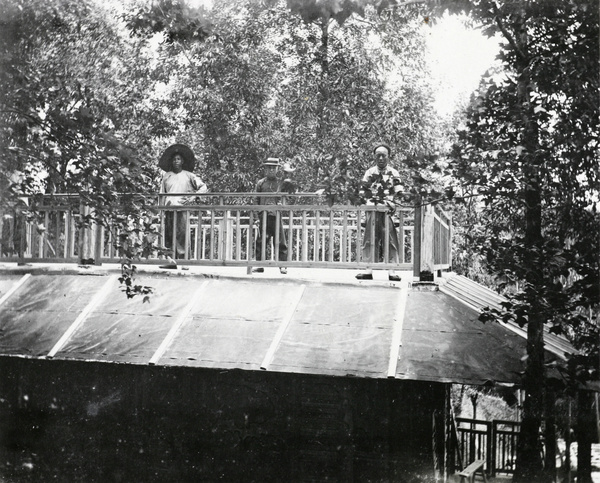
(89, 421)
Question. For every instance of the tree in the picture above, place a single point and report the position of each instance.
(72, 82)
(529, 150)
(355, 78)
(305, 67)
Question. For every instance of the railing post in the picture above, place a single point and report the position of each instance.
(226, 249)
(418, 228)
(21, 228)
(491, 434)
(98, 248)
(427, 244)
(492, 450)
(250, 246)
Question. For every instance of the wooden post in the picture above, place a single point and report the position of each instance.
(427, 262)
(99, 244)
(416, 249)
(250, 246)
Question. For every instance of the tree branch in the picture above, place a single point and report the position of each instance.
(507, 34)
(407, 2)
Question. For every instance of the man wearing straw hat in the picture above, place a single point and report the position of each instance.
(380, 184)
(178, 162)
(270, 184)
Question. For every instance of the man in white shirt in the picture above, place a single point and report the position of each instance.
(380, 185)
(178, 163)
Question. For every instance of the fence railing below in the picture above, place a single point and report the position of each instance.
(495, 441)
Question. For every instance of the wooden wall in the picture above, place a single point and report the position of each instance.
(89, 421)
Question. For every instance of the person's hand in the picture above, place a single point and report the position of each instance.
(391, 206)
(190, 200)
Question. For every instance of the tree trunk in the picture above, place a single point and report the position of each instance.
(585, 435)
(323, 90)
(550, 436)
(529, 467)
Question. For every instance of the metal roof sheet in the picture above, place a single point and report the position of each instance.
(361, 330)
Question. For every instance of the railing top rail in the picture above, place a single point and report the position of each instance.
(216, 201)
(472, 421)
(282, 207)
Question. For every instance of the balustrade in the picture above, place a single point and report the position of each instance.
(223, 229)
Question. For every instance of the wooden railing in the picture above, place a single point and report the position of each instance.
(223, 228)
(495, 441)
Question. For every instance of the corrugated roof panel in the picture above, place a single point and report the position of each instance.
(344, 329)
(129, 330)
(7, 282)
(34, 318)
(442, 340)
(479, 297)
(232, 325)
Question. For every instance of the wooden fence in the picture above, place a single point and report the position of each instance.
(223, 228)
(495, 441)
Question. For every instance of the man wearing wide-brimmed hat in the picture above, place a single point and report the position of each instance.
(178, 162)
(380, 184)
(270, 184)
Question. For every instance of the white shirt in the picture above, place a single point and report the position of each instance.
(182, 182)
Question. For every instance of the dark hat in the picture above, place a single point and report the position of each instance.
(166, 160)
(382, 145)
(271, 162)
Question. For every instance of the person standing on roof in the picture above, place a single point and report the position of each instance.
(380, 185)
(178, 162)
(270, 184)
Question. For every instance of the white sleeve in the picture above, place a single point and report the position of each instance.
(200, 185)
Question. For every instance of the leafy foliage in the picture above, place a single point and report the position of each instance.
(529, 151)
(97, 92)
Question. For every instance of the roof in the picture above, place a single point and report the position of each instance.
(479, 297)
(295, 324)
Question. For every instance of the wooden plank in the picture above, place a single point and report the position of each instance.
(282, 328)
(386, 240)
(291, 236)
(359, 253)
(199, 239)
(211, 248)
(99, 297)
(331, 236)
(344, 242)
(401, 236)
(470, 471)
(317, 237)
(250, 247)
(187, 241)
(238, 236)
(177, 325)
(278, 224)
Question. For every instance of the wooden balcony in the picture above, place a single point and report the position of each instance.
(223, 229)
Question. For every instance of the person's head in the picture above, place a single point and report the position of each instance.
(270, 167)
(176, 158)
(177, 163)
(382, 154)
